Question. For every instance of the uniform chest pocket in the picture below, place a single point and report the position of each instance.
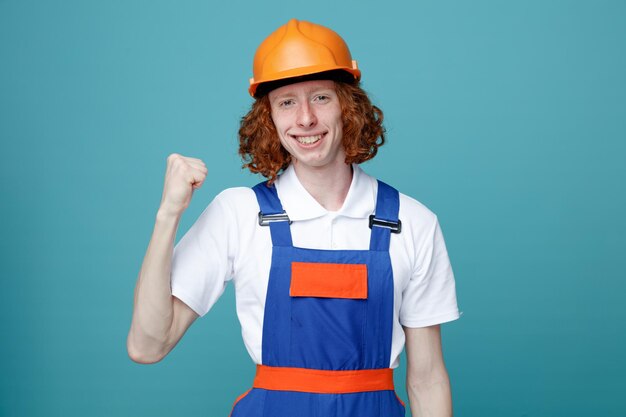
(309, 279)
(328, 314)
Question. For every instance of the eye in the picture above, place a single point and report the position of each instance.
(286, 103)
(321, 98)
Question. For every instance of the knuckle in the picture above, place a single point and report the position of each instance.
(180, 163)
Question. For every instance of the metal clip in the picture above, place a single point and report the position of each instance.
(394, 227)
(266, 219)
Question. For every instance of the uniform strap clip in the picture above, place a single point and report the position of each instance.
(266, 219)
(393, 226)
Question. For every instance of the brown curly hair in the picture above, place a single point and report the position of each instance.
(363, 132)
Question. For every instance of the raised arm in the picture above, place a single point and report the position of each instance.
(427, 380)
(159, 319)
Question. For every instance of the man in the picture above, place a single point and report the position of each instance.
(335, 272)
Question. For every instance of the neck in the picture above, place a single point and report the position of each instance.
(329, 187)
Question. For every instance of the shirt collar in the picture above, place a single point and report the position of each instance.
(300, 205)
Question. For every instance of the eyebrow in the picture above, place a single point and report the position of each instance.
(308, 92)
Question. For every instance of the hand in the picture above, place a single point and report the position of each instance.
(182, 176)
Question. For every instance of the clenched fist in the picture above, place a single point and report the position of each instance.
(182, 176)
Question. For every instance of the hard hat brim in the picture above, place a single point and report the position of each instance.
(299, 74)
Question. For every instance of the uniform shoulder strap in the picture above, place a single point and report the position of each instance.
(272, 214)
(385, 220)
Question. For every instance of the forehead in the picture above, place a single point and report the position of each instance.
(304, 87)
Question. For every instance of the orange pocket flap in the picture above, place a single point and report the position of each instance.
(310, 279)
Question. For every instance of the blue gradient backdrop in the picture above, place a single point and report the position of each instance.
(506, 118)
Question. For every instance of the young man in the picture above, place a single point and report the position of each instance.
(335, 272)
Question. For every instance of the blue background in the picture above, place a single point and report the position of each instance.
(507, 119)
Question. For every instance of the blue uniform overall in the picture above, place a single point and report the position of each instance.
(326, 345)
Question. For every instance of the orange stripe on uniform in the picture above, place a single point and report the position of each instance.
(239, 399)
(322, 381)
(311, 279)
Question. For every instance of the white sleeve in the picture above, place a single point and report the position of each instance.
(202, 262)
(430, 296)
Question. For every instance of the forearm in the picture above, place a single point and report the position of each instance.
(153, 308)
(427, 380)
(430, 396)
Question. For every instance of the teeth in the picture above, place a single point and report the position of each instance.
(307, 140)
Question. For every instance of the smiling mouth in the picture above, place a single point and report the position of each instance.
(308, 140)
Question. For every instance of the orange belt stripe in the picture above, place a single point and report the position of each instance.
(322, 381)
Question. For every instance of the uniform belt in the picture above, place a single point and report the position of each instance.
(322, 381)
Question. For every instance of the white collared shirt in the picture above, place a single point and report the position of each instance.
(226, 243)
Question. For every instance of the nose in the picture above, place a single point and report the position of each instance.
(306, 116)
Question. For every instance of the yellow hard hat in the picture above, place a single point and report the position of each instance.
(298, 49)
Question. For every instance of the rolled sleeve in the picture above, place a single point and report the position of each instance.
(430, 296)
(202, 260)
